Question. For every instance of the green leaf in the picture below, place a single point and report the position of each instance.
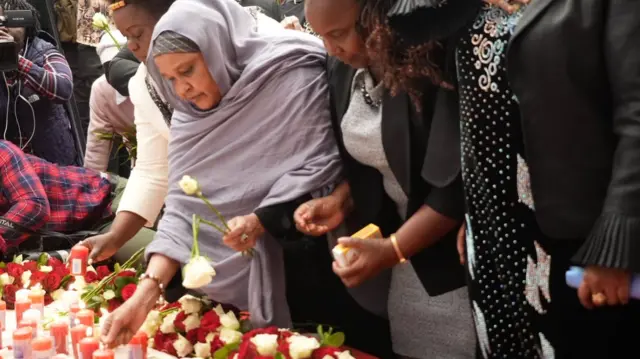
(65, 280)
(122, 281)
(3, 265)
(43, 259)
(116, 268)
(279, 356)
(335, 340)
(223, 353)
(320, 331)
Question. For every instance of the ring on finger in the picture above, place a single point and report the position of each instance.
(244, 237)
(599, 298)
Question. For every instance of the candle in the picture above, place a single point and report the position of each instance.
(87, 347)
(42, 348)
(21, 306)
(59, 332)
(36, 295)
(138, 346)
(22, 343)
(70, 297)
(25, 323)
(32, 314)
(78, 332)
(22, 294)
(86, 317)
(73, 312)
(78, 260)
(3, 314)
(103, 354)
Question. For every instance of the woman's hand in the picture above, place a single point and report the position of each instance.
(462, 234)
(372, 257)
(509, 6)
(319, 216)
(291, 23)
(245, 230)
(604, 286)
(101, 247)
(121, 325)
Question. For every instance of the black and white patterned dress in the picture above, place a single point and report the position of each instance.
(507, 264)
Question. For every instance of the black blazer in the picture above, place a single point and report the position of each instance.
(404, 136)
(574, 66)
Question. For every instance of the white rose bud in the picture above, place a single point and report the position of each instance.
(230, 321)
(197, 273)
(345, 355)
(108, 294)
(5, 279)
(192, 322)
(152, 323)
(183, 346)
(167, 324)
(26, 277)
(301, 347)
(57, 294)
(190, 304)
(100, 21)
(218, 309)
(189, 185)
(210, 337)
(46, 269)
(203, 350)
(230, 336)
(266, 344)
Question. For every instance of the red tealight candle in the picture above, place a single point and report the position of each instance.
(42, 348)
(73, 311)
(103, 354)
(87, 347)
(59, 333)
(78, 260)
(20, 307)
(22, 343)
(3, 314)
(138, 346)
(77, 333)
(86, 317)
(28, 323)
(36, 296)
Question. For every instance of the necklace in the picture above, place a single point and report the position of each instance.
(367, 97)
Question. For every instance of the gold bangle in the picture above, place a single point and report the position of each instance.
(394, 242)
(117, 5)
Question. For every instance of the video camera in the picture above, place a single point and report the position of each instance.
(9, 49)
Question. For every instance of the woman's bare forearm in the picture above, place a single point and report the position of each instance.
(125, 226)
(161, 267)
(425, 228)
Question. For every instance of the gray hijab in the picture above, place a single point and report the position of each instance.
(268, 141)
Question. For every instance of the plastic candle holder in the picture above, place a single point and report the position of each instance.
(26, 323)
(78, 260)
(32, 314)
(3, 314)
(87, 347)
(22, 343)
(36, 295)
(42, 348)
(138, 346)
(104, 354)
(22, 294)
(77, 334)
(73, 312)
(59, 333)
(21, 306)
(86, 317)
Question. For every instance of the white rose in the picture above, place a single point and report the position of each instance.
(190, 304)
(197, 273)
(108, 294)
(203, 350)
(167, 324)
(57, 294)
(189, 185)
(26, 278)
(5, 279)
(191, 322)
(218, 309)
(345, 355)
(152, 323)
(266, 344)
(230, 321)
(230, 336)
(100, 21)
(301, 347)
(210, 337)
(183, 346)
(46, 269)
(235, 356)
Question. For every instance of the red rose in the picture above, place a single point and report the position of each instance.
(113, 304)
(179, 321)
(54, 262)
(164, 342)
(52, 281)
(202, 335)
(210, 321)
(283, 347)
(216, 344)
(90, 277)
(192, 336)
(15, 270)
(246, 350)
(126, 273)
(128, 290)
(30, 266)
(37, 277)
(171, 305)
(9, 293)
(61, 271)
(47, 299)
(103, 271)
(252, 333)
(320, 353)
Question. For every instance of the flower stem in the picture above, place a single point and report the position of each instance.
(195, 250)
(214, 226)
(215, 210)
(112, 38)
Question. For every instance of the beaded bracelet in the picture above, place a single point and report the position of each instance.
(154, 278)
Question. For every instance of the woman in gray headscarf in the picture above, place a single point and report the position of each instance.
(251, 122)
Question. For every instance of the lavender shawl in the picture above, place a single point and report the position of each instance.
(269, 141)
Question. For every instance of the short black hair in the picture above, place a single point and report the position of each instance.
(30, 32)
(156, 8)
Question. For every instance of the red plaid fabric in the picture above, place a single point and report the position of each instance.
(37, 194)
(53, 80)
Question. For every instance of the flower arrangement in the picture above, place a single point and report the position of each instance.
(51, 274)
(196, 328)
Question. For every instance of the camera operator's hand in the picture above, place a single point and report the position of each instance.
(5, 36)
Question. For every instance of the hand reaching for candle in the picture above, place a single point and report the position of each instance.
(101, 247)
(121, 325)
